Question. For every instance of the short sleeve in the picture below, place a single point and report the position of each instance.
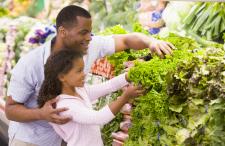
(104, 44)
(22, 84)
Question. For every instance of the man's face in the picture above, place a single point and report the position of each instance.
(78, 36)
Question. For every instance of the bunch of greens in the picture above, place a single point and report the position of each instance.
(198, 89)
(150, 117)
(180, 42)
(119, 58)
(184, 104)
(207, 19)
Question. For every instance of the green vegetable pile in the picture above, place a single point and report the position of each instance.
(185, 99)
(184, 104)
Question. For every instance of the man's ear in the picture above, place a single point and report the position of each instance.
(62, 31)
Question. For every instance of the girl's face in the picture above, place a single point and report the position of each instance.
(75, 77)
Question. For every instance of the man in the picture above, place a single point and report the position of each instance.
(29, 125)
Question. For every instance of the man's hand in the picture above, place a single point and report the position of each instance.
(160, 47)
(138, 41)
(50, 114)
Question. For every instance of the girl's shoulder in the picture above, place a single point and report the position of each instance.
(67, 97)
(70, 101)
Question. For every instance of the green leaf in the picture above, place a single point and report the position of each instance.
(198, 101)
(176, 108)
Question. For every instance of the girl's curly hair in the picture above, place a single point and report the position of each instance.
(58, 63)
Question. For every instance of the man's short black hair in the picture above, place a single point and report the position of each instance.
(68, 15)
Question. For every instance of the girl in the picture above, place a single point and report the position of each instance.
(64, 79)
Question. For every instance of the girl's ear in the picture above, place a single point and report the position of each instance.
(61, 77)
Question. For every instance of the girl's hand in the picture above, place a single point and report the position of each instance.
(133, 91)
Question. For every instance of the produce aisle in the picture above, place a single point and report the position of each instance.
(185, 93)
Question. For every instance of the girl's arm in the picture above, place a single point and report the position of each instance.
(98, 90)
(80, 113)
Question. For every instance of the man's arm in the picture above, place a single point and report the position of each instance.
(18, 112)
(140, 41)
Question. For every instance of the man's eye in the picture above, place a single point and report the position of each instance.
(84, 32)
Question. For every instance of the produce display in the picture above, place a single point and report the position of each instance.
(184, 103)
(185, 96)
(179, 105)
(192, 82)
(103, 68)
(207, 20)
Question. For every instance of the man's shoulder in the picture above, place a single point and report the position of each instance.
(101, 38)
(32, 59)
(99, 42)
(35, 53)
(102, 45)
